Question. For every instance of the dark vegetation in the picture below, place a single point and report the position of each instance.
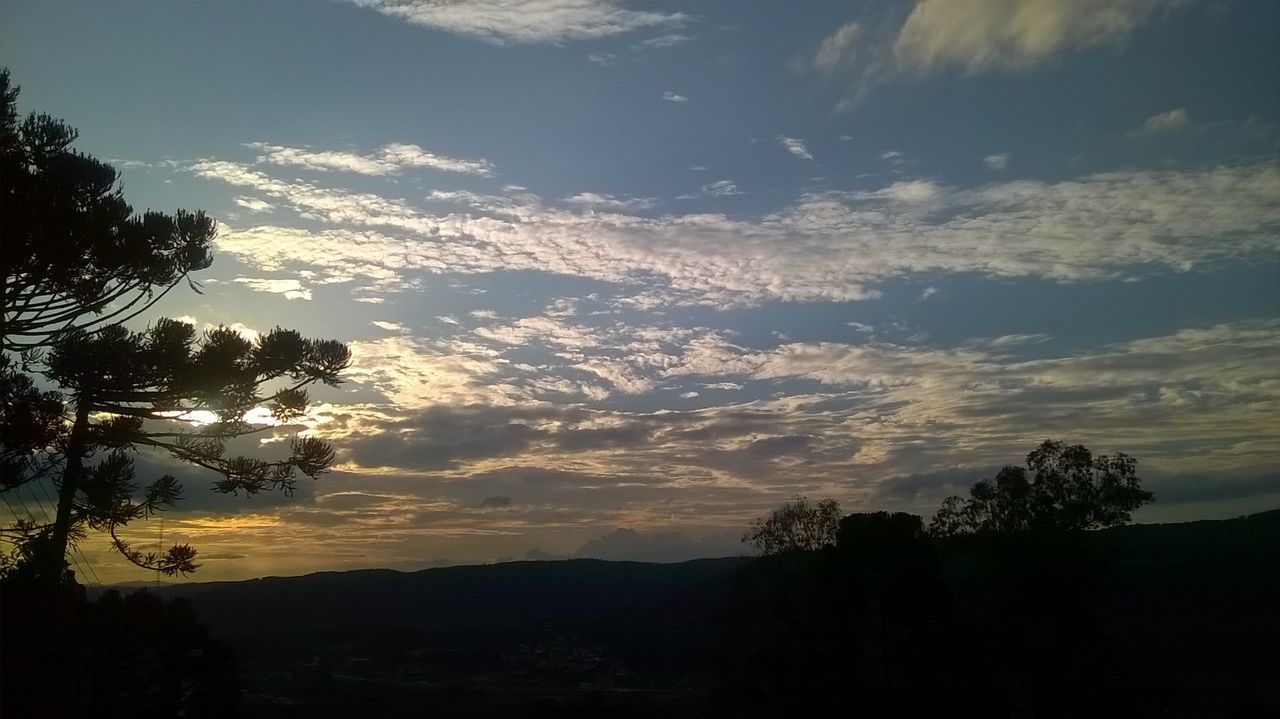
(1030, 597)
(1171, 620)
(117, 656)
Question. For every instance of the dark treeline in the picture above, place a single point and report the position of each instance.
(892, 622)
(1008, 603)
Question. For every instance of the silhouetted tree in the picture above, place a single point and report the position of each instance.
(1025, 531)
(75, 256)
(30, 420)
(77, 263)
(797, 526)
(1071, 490)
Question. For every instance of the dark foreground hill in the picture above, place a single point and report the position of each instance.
(472, 640)
(1189, 610)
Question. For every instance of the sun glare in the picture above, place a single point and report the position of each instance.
(202, 417)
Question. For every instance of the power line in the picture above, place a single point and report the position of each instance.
(86, 569)
(45, 514)
(74, 549)
(5, 496)
(88, 565)
(18, 495)
(45, 491)
(31, 515)
(159, 548)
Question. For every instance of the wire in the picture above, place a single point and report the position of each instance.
(31, 515)
(45, 514)
(5, 496)
(88, 565)
(86, 570)
(159, 548)
(45, 491)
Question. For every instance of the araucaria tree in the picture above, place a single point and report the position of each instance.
(75, 255)
(77, 264)
(1069, 490)
(797, 526)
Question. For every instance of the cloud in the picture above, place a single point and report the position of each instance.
(603, 59)
(495, 501)
(719, 188)
(976, 37)
(391, 159)
(1007, 341)
(1164, 123)
(795, 146)
(908, 191)
(526, 21)
(391, 326)
(997, 162)
(838, 48)
(670, 39)
(672, 97)
(1195, 487)
(610, 202)
(291, 289)
(832, 246)
(984, 35)
(439, 437)
(254, 205)
(1191, 400)
(411, 372)
(1149, 396)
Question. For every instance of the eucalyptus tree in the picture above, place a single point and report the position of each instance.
(797, 526)
(1062, 488)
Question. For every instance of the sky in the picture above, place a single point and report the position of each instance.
(619, 276)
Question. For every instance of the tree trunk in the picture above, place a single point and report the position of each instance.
(54, 562)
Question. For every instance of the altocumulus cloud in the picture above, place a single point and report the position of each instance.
(527, 21)
(833, 246)
(391, 159)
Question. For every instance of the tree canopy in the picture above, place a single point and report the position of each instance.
(1069, 489)
(75, 255)
(798, 525)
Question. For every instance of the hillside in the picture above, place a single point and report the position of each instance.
(1194, 603)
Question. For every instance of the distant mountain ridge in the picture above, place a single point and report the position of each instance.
(609, 598)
